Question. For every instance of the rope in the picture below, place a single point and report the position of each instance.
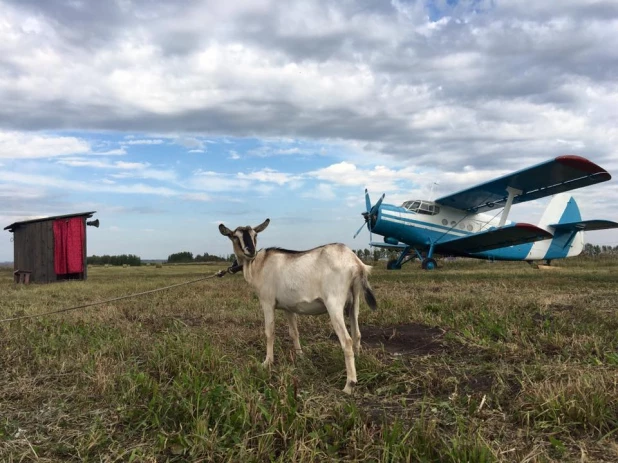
(220, 273)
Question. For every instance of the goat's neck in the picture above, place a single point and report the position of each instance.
(251, 268)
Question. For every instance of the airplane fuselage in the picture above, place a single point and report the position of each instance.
(420, 226)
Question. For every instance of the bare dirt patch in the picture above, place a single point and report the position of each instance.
(561, 307)
(408, 339)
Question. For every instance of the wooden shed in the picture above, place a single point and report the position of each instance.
(51, 248)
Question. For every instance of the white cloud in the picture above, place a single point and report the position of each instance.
(123, 169)
(216, 181)
(269, 176)
(131, 165)
(47, 181)
(152, 174)
(113, 152)
(379, 178)
(20, 145)
(197, 197)
(147, 141)
(190, 142)
(101, 164)
(262, 181)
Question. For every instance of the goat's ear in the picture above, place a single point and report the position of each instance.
(262, 226)
(224, 230)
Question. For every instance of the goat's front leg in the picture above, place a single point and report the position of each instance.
(336, 317)
(269, 330)
(293, 329)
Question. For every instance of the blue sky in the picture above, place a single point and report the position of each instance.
(170, 117)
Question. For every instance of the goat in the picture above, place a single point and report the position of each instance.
(324, 279)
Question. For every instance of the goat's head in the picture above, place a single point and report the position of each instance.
(244, 239)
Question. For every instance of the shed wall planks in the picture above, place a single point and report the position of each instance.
(34, 251)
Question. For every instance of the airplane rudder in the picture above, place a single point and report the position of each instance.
(571, 212)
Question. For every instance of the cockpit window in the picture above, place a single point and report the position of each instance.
(422, 207)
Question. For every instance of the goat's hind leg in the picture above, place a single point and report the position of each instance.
(354, 328)
(293, 330)
(269, 330)
(337, 319)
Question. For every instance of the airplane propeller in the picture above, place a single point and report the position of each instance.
(372, 212)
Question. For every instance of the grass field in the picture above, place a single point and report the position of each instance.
(475, 362)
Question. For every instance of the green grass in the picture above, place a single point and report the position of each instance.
(475, 362)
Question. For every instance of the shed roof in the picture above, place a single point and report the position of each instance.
(15, 225)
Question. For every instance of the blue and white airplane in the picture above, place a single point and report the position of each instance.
(459, 225)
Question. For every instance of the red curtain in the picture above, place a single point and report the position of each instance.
(69, 245)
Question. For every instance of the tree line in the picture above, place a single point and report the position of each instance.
(596, 250)
(123, 259)
(366, 255)
(376, 254)
(185, 257)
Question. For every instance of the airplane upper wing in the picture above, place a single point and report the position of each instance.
(509, 235)
(563, 173)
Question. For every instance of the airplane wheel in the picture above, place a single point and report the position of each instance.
(429, 264)
(392, 265)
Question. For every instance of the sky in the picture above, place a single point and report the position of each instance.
(170, 117)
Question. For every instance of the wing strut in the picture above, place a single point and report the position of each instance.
(509, 202)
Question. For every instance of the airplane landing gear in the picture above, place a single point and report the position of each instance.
(393, 265)
(429, 264)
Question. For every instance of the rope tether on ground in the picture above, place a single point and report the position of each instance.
(220, 273)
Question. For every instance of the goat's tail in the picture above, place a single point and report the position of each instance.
(370, 298)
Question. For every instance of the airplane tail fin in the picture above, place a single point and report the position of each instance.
(561, 209)
(567, 241)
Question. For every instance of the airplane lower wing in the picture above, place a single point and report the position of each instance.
(563, 173)
(585, 225)
(399, 247)
(509, 235)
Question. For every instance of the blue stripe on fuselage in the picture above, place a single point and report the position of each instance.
(411, 231)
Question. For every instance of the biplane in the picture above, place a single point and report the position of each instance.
(464, 223)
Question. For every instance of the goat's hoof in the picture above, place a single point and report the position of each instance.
(267, 363)
(299, 353)
(349, 387)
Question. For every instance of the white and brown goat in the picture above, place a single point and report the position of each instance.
(329, 279)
